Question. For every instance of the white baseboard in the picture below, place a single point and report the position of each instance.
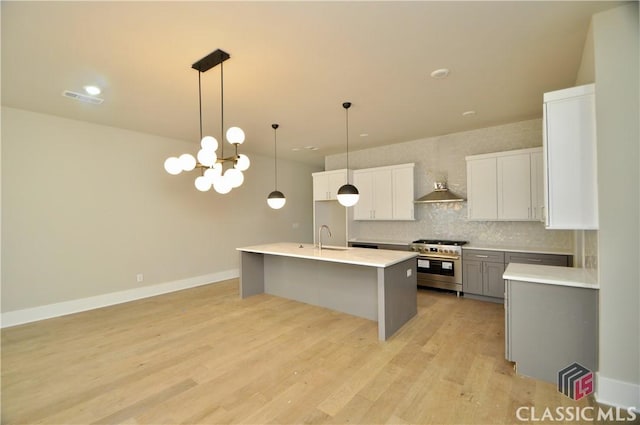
(617, 393)
(27, 315)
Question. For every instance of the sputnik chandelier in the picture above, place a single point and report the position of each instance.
(212, 173)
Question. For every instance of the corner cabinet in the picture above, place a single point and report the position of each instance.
(505, 186)
(569, 140)
(386, 193)
(327, 183)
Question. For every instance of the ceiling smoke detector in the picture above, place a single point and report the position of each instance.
(82, 97)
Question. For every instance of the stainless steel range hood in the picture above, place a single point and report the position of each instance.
(439, 194)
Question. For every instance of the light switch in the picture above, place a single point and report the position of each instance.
(409, 272)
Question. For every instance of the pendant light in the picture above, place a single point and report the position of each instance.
(211, 166)
(348, 194)
(276, 199)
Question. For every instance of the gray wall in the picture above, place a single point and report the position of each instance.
(444, 157)
(87, 207)
(616, 47)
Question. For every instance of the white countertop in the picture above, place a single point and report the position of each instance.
(518, 248)
(552, 275)
(356, 256)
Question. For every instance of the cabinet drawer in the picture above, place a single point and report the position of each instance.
(481, 255)
(533, 258)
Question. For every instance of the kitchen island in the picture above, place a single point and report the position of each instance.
(378, 284)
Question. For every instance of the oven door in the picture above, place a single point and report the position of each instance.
(441, 269)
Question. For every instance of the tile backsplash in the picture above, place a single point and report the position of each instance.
(443, 158)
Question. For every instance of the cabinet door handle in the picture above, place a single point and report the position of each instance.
(481, 256)
(534, 260)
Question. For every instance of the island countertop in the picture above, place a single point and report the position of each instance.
(356, 256)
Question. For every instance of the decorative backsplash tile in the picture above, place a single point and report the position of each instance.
(443, 158)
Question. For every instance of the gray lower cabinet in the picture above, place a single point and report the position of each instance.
(541, 259)
(482, 273)
(549, 327)
(482, 270)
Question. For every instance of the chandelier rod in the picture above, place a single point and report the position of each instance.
(222, 109)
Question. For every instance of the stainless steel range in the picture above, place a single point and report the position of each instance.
(439, 263)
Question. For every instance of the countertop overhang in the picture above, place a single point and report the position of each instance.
(355, 256)
(552, 275)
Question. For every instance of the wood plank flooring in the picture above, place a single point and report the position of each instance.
(205, 356)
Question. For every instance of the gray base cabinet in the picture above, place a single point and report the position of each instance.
(549, 327)
(482, 270)
(482, 273)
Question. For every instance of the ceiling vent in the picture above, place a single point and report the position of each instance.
(82, 97)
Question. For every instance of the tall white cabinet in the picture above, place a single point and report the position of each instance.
(569, 140)
(505, 186)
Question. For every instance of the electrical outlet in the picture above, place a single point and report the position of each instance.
(140, 277)
(409, 272)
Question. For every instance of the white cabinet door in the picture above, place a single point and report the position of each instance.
(386, 193)
(570, 158)
(326, 184)
(335, 182)
(482, 189)
(403, 195)
(382, 195)
(537, 186)
(514, 187)
(363, 181)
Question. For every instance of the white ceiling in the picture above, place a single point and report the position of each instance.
(294, 63)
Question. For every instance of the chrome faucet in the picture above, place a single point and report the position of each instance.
(324, 226)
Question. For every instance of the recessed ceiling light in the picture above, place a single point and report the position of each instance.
(468, 113)
(364, 135)
(92, 90)
(295, 149)
(440, 73)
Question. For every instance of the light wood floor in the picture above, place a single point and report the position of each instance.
(205, 356)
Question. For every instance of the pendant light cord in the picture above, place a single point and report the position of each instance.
(275, 154)
(347, 127)
(200, 101)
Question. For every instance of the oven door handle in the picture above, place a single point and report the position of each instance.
(438, 257)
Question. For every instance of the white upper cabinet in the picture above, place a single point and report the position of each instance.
(482, 189)
(386, 193)
(327, 183)
(537, 186)
(514, 187)
(403, 194)
(571, 190)
(505, 186)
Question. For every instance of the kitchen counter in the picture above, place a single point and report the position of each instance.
(355, 256)
(552, 275)
(375, 284)
(518, 248)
